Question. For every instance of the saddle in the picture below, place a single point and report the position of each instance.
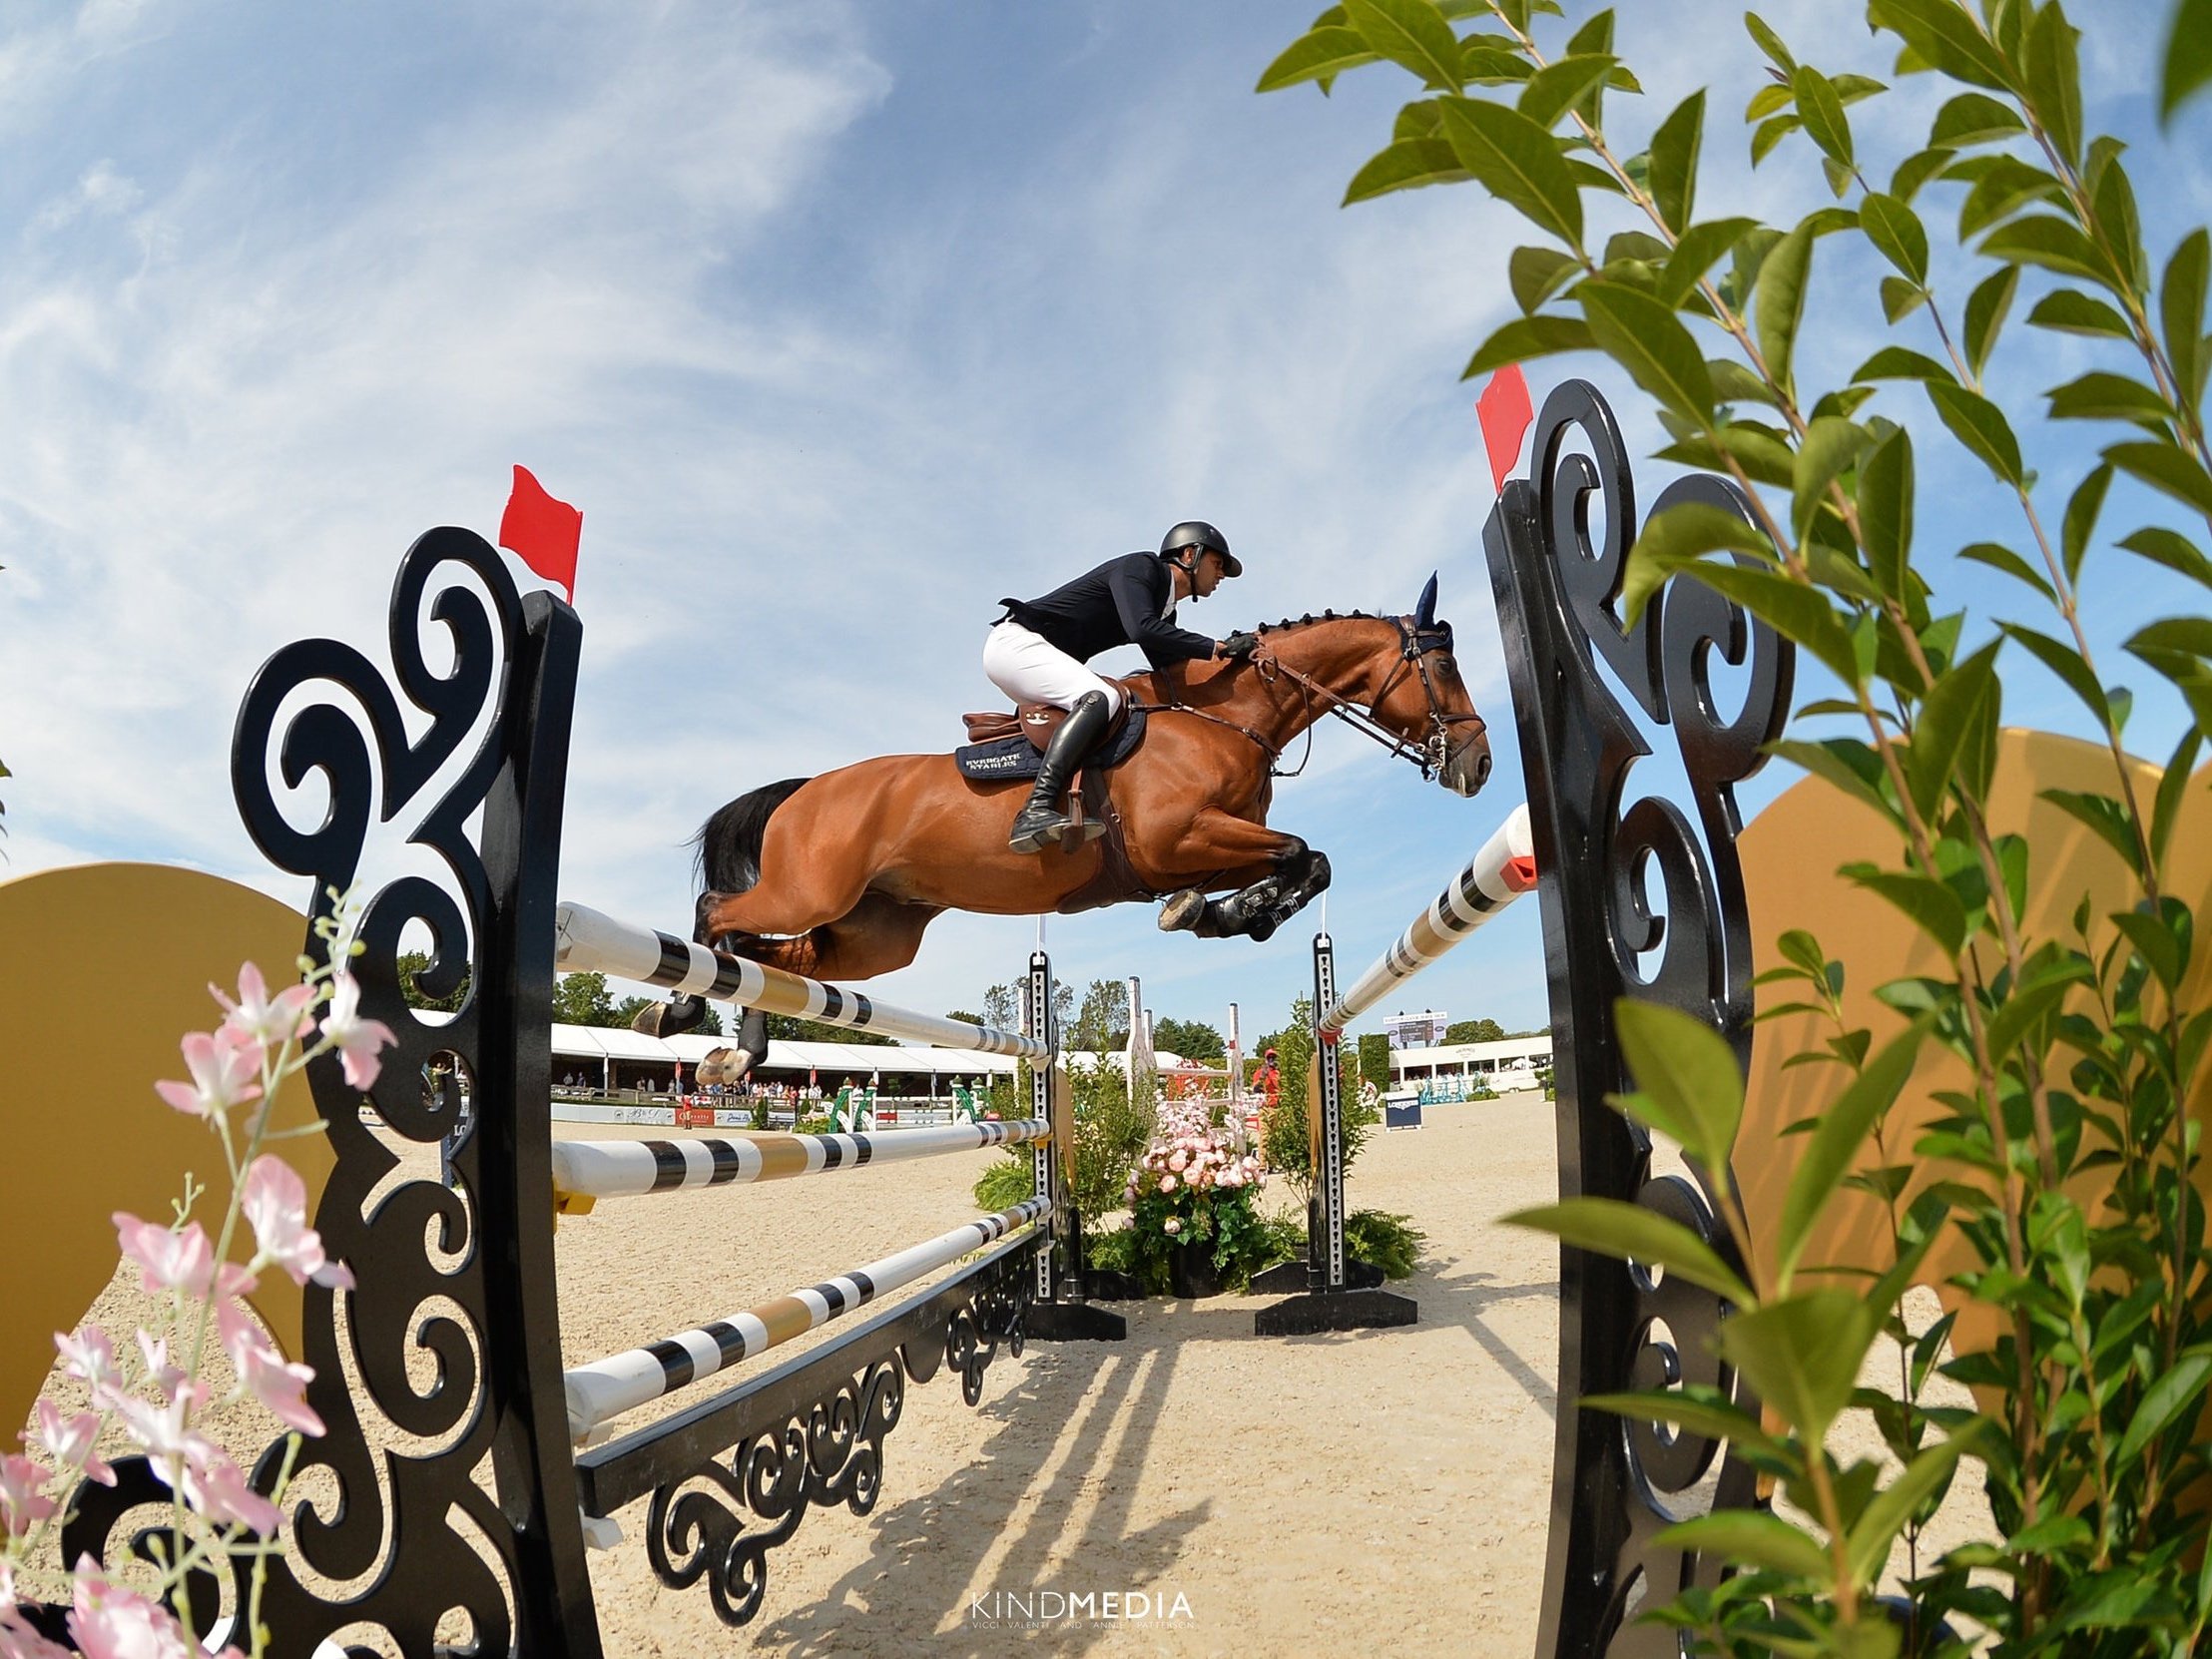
(1009, 748)
(1005, 746)
(1038, 721)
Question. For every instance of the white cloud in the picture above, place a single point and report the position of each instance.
(102, 193)
(232, 444)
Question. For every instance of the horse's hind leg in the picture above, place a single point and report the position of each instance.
(678, 1013)
(877, 935)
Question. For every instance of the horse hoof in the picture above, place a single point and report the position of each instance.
(1181, 912)
(672, 1019)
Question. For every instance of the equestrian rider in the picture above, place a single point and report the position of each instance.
(1036, 653)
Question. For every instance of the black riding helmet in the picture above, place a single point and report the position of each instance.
(1196, 533)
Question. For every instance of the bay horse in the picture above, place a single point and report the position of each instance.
(837, 876)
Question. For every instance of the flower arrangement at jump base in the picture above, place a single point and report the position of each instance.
(149, 1389)
(1193, 1196)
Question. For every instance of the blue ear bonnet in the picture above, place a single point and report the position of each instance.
(1428, 633)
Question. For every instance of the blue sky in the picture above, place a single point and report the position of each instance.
(839, 323)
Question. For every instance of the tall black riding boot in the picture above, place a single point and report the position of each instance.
(1041, 822)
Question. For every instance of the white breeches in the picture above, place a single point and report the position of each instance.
(1030, 669)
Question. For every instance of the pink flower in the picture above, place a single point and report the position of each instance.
(274, 1200)
(262, 1018)
(263, 1371)
(226, 1072)
(1171, 1226)
(162, 1433)
(110, 1622)
(180, 1261)
(89, 1356)
(1167, 1183)
(220, 1491)
(357, 1039)
(70, 1443)
(19, 1641)
(164, 1378)
(1179, 1162)
(23, 1496)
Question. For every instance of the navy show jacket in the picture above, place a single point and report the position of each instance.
(1124, 601)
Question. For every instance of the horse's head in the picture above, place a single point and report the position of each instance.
(1392, 678)
(1426, 703)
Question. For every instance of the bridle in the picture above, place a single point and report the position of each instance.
(1416, 645)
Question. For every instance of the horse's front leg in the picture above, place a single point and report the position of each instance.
(1254, 913)
(1280, 876)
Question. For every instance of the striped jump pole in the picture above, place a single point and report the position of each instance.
(1501, 873)
(585, 1171)
(585, 939)
(608, 1387)
(589, 939)
(1501, 870)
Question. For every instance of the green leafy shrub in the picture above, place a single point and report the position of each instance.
(1007, 1180)
(1111, 1131)
(2079, 1045)
(1113, 1250)
(1284, 1143)
(1383, 1240)
(1256, 1243)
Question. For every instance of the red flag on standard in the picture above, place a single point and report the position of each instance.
(545, 532)
(1506, 416)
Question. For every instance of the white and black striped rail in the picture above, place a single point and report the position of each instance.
(625, 1169)
(1501, 873)
(607, 1388)
(586, 939)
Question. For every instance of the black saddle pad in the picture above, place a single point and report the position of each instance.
(1017, 758)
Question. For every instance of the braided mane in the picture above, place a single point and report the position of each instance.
(1325, 616)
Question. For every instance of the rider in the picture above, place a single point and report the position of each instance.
(1036, 653)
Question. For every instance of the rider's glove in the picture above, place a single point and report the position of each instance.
(1238, 645)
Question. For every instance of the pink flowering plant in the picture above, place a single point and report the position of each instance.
(1193, 1193)
(147, 1392)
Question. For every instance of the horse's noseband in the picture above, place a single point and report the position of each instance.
(1415, 646)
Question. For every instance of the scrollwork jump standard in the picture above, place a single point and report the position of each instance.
(1557, 543)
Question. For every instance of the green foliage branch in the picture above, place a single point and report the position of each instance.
(2082, 1048)
(1374, 1059)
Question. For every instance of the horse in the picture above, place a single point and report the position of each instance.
(838, 876)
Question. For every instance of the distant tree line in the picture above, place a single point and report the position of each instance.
(578, 999)
(1099, 1023)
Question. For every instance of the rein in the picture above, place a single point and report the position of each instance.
(1358, 719)
(1265, 748)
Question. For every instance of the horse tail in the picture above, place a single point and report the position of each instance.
(726, 858)
(726, 854)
